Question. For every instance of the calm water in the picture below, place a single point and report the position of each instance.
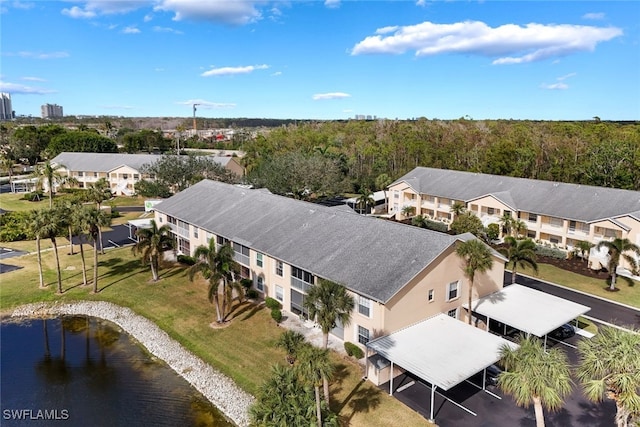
(80, 371)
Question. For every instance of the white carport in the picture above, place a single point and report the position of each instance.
(135, 224)
(440, 350)
(528, 310)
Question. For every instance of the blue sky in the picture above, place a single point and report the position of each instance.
(324, 59)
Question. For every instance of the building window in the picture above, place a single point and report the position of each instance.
(184, 246)
(279, 293)
(533, 217)
(259, 261)
(81, 173)
(125, 176)
(453, 313)
(241, 253)
(221, 241)
(95, 174)
(160, 219)
(300, 279)
(363, 335)
(195, 232)
(491, 211)
(364, 306)
(430, 296)
(453, 290)
(279, 268)
(396, 195)
(245, 273)
(171, 220)
(136, 176)
(260, 283)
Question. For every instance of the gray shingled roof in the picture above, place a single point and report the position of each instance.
(371, 256)
(106, 162)
(561, 200)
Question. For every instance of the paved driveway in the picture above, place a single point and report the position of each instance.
(115, 238)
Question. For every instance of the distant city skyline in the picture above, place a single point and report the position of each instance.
(331, 59)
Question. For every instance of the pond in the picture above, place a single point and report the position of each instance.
(79, 371)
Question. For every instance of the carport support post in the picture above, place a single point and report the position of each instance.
(391, 381)
(433, 393)
(366, 362)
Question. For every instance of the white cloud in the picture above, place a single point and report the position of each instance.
(555, 86)
(237, 12)
(566, 76)
(130, 30)
(227, 71)
(332, 4)
(277, 73)
(38, 55)
(206, 105)
(510, 43)
(147, 18)
(158, 29)
(330, 95)
(33, 79)
(22, 5)
(14, 88)
(77, 13)
(593, 16)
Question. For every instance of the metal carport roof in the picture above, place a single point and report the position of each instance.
(531, 311)
(441, 350)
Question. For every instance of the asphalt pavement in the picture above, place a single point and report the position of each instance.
(601, 309)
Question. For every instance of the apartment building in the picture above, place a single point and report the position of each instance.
(121, 170)
(397, 274)
(555, 213)
(51, 111)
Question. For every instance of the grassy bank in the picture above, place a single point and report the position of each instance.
(628, 293)
(243, 350)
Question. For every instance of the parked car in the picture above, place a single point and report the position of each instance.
(493, 372)
(563, 332)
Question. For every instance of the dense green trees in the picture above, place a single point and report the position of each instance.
(80, 141)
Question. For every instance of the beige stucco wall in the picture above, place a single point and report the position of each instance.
(235, 167)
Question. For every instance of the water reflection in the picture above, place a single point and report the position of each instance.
(94, 373)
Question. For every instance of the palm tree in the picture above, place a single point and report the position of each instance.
(151, 243)
(477, 258)
(382, 182)
(364, 200)
(608, 367)
(519, 228)
(68, 209)
(408, 210)
(316, 368)
(583, 247)
(51, 227)
(37, 220)
(6, 163)
(519, 253)
(291, 342)
(48, 174)
(91, 221)
(329, 303)
(217, 267)
(617, 248)
(98, 192)
(506, 221)
(458, 208)
(533, 375)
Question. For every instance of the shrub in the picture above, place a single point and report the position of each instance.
(252, 294)
(353, 350)
(35, 196)
(246, 284)
(551, 252)
(276, 315)
(272, 303)
(436, 226)
(493, 231)
(186, 259)
(14, 226)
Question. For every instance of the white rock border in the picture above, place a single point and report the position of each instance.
(220, 390)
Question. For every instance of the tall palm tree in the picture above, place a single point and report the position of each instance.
(506, 221)
(68, 209)
(219, 268)
(91, 221)
(51, 228)
(48, 174)
(609, 367)
(37, 220)
(583, 247)
(477, 258)
(408, 210)
(364, 200)
(382, 182)
(533, 375)
(519, 253)
(617, 248)
(329, 303)
(519, 228)
(315, 367)
(152, 242)
(98, 192)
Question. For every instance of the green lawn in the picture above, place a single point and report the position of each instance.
(243, 350)
(629, 292)
(13, 202)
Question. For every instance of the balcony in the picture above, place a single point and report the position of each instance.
(242, 259)
(299, 284)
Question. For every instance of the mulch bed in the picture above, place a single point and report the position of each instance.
(575, 265)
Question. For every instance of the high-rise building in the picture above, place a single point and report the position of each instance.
(6, 111)
(50, 111)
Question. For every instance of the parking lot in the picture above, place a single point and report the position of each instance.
(492, 412)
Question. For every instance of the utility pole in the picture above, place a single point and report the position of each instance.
(195, 133)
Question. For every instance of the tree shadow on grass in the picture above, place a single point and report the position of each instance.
(340, 373)
(363, 399)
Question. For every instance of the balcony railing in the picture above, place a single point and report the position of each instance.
(242, 259)
(299, 284)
